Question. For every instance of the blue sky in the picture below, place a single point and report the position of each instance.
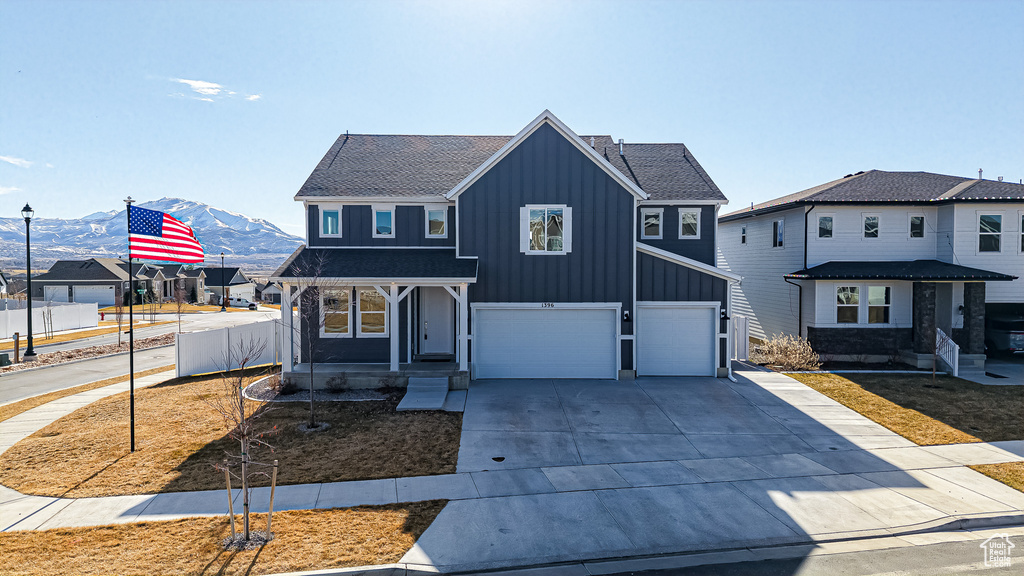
(233, 103)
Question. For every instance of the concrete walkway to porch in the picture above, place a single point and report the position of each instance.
(766, 492)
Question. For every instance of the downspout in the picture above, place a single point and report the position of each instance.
(799, 288)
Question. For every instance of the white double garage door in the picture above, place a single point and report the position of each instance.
(582, 340)
(101, 295)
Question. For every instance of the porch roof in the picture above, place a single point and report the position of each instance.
(919, 270)
(378, 264)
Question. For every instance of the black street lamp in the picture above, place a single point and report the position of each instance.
(27, 212)
(223, 289)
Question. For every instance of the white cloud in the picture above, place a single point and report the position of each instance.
(209, 91)
(8, 190)
(19, 162)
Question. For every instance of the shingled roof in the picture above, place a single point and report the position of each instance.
(920, 270)
(356, 263)
(881, 186)
(407, 166)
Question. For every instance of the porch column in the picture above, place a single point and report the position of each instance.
(393, 318)
(463, 328)
(974, 317)
(287, 339)
(924, 317)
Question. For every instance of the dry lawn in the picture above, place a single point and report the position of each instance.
(946, 411)
(1009, 473)
(304, 540)
(179, 437)
(15, 408)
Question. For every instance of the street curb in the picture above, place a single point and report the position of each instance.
(617, 565)
(82, 360)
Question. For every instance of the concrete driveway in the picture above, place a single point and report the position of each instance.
(541, 423)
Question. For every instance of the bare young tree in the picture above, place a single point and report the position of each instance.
(119, 297)
(179, 299)
(241, 417)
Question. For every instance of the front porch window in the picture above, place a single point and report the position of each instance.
(879, 298)
(373, 313)
(334, 305)
(847, 304)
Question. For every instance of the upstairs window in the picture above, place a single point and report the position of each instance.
(384, 222)
(916, 226)
(689, 223)
(824, 226)
(871, 226)
(1022, 233)
(878, 304)
(743, 234)
(778, 233)
(437, 220)
(545, 229)
(990, 230)
(650, 220)
(847, 304)
(330, 222)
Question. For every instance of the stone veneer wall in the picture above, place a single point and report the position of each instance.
(924, 317)
(854, 341)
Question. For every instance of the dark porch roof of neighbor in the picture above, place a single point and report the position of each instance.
(377, 263)
(920, 270)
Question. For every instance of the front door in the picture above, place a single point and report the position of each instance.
(437, 321)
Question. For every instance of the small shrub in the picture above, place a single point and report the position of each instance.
(337, 383)
(284, 386)
(789, 352)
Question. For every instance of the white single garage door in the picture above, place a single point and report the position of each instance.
(55, 293)
(102, 295)
(545, 342)
(676, 340)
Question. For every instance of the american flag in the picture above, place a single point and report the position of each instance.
(154, 235)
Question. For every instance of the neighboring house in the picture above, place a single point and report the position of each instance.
(869, 264)
(232, 280)
(3, 284)
(540, 255)
(195, 280)
(98, 280)
(269, 292)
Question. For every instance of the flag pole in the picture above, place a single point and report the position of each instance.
(131, 327)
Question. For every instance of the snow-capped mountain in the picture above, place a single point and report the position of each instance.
(253, 243)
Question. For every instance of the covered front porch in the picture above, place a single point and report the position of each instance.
(375, 317)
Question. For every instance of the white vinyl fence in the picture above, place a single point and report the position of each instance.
(741, 337)
(51, 316)
(208, 350)
(948, 350)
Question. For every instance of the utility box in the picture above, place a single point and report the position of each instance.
(5, 360)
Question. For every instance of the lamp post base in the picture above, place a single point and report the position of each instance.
(28, 357)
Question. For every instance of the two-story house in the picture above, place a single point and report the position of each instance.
(867, 266)
(539, 255)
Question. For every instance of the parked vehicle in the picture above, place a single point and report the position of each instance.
(1004, 334)
(241, 303)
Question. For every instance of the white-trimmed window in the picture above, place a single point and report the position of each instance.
(847, 304)
(825, 226)
(373, 313)
(879, 301)
(871, 225)
(383, 221)
(743, 234)
(437, 221)
(650, 223)
(545, 229)
(335, 306)
(778, 233)
(916, 225)
(330, 221)
(990, 232)
(1022, 233)
(689, 224)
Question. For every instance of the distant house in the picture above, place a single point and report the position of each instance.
(231, 280)
(269, 292)
(98, 280)
(195, 280)
(869, 265)
(3, 284)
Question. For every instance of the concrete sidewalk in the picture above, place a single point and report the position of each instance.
(538, 515)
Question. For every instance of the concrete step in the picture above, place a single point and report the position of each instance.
(424, 394)
(431, 383)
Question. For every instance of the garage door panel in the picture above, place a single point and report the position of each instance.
(676, 341)
(102, 295)
(544, 343)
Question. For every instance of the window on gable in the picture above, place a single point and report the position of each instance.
(651, 223)
(689, 223)
(743, 234)
(871, 226)
(373, 313)
(1022, 233)
(916, 226)
(545, 229)
(879, 299)
(778, 233)
(437, 219)
(847, 304)
(824, 226)
(330, 222)
(990, 230)
(334, 306)
(384, 222)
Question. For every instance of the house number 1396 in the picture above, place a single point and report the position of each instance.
(547, 305)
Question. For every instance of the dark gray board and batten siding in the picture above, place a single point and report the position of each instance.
(547, 169)
(700, 249)
(357, 227)
(355, 348)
